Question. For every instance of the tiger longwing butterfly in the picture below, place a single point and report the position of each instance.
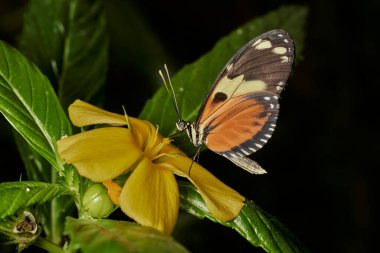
(240, 111)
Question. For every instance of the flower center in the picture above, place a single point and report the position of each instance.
(154, 146)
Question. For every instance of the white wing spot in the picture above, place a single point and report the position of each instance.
(280, 35)
(234, 155)
(258, 145)
(271, 129)
(252, 149)
(263, 140)
(275, 97)
(279, 50)
(273, 125)
(267, 98)
(268, 135)
(271, 106)
(229, 67)
(286, 40)
(278, 88)
(264, 45)
(244, 151)
(284, 59)
(281, 83)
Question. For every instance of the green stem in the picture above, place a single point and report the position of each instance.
(54, 213)
(48, 245)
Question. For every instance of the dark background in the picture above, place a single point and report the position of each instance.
(322, 158)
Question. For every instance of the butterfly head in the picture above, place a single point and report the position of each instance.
(181, 125)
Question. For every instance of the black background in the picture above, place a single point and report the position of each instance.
(323, 156)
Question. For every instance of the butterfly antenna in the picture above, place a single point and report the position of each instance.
(171, 94)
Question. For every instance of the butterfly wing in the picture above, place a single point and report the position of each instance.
(248, 165)
(240, 112)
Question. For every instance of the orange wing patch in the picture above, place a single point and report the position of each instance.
(242, 125)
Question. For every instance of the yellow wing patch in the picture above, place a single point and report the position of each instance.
(237, 86)
(249, 87)
(262, 44)
(279, 50)
(228, 86)
(227, 89)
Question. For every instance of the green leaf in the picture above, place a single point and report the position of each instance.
(42, 37)
(28, 102)
(117, 236)
(254, 224)
(17, 195)
(37, 168)
(71, 46)
(193, 81)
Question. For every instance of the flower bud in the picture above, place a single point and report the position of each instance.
(96, 202)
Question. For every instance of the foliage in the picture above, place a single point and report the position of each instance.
(67, 59)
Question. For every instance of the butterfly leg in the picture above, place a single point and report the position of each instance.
(195, 157)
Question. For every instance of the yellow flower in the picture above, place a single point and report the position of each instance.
(150, 194)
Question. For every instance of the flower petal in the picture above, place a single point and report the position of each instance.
(145, 133)
(223, 202)
(142, 131)
(100, 154)
(114, 191)
(84, 114)
(150, 196)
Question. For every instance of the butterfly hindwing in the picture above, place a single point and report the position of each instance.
(249, 165)
(240, 112)
(242, 125)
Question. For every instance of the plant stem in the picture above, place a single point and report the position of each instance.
(48, 245)
(54, 213)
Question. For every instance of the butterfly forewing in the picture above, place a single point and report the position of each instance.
(240, 112)
(268, 58)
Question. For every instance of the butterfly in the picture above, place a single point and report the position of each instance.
(239, 114)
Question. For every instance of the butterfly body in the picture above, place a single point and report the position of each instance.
(196, 133)
(240, 111)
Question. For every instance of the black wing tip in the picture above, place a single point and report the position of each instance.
(278, 31)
